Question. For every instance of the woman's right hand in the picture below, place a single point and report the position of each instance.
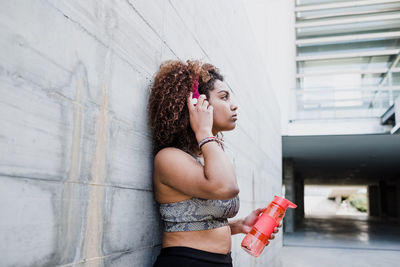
(201, 117)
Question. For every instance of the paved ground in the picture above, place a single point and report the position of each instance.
(344, 242)
(331, 257)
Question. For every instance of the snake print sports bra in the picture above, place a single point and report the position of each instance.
(197, 213)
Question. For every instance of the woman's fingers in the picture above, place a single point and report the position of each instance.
(246, 229)
(257, 212)
(205, 104)
(272, 236)
(189, 102)
(202, 102)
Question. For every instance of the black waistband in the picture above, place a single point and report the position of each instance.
(197, 254)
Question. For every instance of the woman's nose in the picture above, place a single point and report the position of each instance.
(234, 107)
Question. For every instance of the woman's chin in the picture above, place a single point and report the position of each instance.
(231, 127)
(227, 127)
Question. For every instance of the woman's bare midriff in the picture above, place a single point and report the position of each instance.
(216, 240)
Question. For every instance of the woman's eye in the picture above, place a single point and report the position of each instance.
(225, 97)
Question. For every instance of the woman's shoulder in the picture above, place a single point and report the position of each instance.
(173, 154)
(170, 164)
(168, 151)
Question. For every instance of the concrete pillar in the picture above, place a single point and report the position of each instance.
(374, 201)
(383, 199)
(299, 198)
(290, 190)
(382, 190)
(391, 201)
(398, 201)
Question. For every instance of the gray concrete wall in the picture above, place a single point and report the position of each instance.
(75, 151)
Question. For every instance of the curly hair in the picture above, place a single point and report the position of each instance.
(167, 107)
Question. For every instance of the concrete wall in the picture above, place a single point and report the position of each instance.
(75, 151)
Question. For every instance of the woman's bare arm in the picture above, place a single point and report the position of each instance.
(178, 170)
(236, 226)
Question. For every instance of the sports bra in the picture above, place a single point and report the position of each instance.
(196, 214)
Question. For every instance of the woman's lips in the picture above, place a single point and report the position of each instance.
(234, 117)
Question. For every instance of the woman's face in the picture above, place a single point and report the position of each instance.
(225, 115)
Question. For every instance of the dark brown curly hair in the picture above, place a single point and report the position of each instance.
(168, 111)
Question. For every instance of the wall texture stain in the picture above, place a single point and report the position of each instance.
(94, 227)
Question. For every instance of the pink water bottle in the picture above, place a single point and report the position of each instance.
(255, 241)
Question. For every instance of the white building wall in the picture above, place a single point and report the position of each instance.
(75, 161)
(273, 25)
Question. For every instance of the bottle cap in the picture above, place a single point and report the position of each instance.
(284, 203)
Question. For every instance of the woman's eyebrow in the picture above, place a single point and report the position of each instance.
(224, 91)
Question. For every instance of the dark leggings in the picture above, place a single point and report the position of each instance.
(185, 256)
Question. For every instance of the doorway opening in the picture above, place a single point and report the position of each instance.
(336, 201)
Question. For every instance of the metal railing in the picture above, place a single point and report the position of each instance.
(332, 103)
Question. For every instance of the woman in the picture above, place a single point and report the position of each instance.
(194, 180)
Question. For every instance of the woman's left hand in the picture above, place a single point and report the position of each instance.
(251, 219)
